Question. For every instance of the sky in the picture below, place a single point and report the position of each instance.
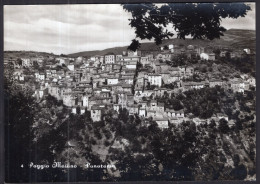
(65, 29)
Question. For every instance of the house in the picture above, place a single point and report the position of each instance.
(179, 113)
(211, 57)
(153, 105)
(148, 93)
(74, 110)
(251, 81)
(85, 101)
(144, 61)
(131, 64)
(133, 109)
(204, 56)
(160, 107)
(174, 120)
(127, 79)
(174, 70)
(189, 70)
(39, 93)
(165, 77)
(155, 79)
(215, 82)
(198, 121)
(82, 110)
(130, 58)
(162, 122)
(193, 85)
(96, 112)
(237, 85)
(138, 92)
(71, 67)
(150, 56)
(41, 76)
(200, 50)
(112, 80)
(116, 107)
(79, 102)
(118, 57)
(223, 53)
(61, 60)
(247, 50)
(110, 58)
(127, 88)
(122, 99)
(171, 113)
(26, 62)
(133, 53)
(142, 112)
(151, 113)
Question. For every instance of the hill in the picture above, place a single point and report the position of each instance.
(25, 54)
(234, 38)
(115, 50)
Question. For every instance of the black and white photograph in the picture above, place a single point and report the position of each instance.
(130, 92)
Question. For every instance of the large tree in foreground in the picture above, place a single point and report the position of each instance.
(199, 20)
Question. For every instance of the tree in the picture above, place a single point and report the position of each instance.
(216, 52)
(223, 126)
(240, 172)
(19, 61)
(165, 47)
(123, 115)
(236, 160)
(150, 21)
(78, 110)
(19, 119)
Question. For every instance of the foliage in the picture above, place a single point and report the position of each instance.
(150, 21)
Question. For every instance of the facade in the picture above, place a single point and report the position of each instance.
(96, 113)
(110, 58)
(162, 122)
(204, 56)
(155, 79)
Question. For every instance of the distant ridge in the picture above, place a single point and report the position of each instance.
(235, 38)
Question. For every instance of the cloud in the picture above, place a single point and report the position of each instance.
(247, 22)
(66, 28)
(73, 28)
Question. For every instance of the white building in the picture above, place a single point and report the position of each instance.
(82, 110)
(41, 76)
(74, 110)
(71, 67)
(116, 107)
(162, 122)
(109, 58)
(26, 62)
(96, 113)
(155, 79)
(85, 101)
(142, 112)
(112, 80)
(204, 56)
(247, 51)
(131, 64)
(132, 53)
(144, 61)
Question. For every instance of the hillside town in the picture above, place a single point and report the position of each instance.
(130, 80)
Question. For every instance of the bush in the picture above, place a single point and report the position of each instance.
(107, 143)
(223, 126)
(93, 141)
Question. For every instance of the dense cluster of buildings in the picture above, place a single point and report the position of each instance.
(128, 80)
